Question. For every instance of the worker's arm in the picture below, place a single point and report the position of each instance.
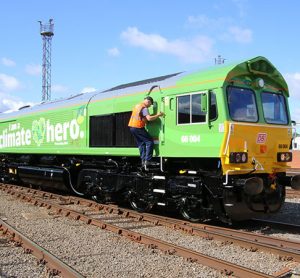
(154, 117)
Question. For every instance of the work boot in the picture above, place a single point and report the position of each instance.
(150, 164)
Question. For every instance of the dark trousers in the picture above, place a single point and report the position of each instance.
(144, 142)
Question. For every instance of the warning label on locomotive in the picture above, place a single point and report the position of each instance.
(261, 138)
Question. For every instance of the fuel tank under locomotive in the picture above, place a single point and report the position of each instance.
(57, 178)
(102, 185)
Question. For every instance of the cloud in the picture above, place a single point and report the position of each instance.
(195, 50)
(241, 35)
(237, 34)
(66, 92)
(224, 28)
(57, 88)
(295, 115)
(8, 83)
(200, 21)
(7, 62)
(293, 81)
(204, 22)
(9, 103)
(241, 6)
(88, 90)
(33, 69)
(114, 52)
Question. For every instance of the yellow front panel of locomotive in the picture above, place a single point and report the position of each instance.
(260, 141)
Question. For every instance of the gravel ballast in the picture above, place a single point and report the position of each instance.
(98, 253)
(13, 260)
(90, 250)
(289, 213)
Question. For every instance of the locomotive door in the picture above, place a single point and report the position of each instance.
(157, 127)
(186, 124)
(162, 126)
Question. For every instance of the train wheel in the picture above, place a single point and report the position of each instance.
(191, 210)
(139, 203)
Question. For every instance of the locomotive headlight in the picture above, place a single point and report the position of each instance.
(244, 158)
(238, 157)
(259, 83)
(284, 157)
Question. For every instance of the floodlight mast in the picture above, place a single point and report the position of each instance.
(46, 31)
(219, 60)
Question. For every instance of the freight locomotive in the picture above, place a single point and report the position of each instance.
(221, 150)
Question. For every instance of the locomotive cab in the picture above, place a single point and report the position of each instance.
(255, 150)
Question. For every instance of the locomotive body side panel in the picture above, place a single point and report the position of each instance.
(58, 131)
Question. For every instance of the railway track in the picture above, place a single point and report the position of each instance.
(271, 224)
(245, 239)
(54, 265)
(287, 250)
(293, 171)
(290, 193)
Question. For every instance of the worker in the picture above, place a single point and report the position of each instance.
(138, 120)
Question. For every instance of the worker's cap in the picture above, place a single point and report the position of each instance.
(149, 98)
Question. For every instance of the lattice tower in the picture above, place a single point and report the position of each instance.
(46, 31)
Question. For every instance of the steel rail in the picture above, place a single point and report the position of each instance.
(278, 225)
(291, 193)
(293, 171)
(287, 249)
(53, 263)
(225, 267)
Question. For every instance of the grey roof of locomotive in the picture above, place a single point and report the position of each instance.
(85, 98)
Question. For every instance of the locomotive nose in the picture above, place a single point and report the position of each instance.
(252, 186)
(295, 182)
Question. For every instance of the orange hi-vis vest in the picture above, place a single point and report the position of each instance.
(136, 119)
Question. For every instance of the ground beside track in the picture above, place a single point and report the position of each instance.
(39, 221)
(91, 251)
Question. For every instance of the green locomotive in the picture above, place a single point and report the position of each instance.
(222, 149)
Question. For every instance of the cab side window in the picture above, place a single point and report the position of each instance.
(213, 111)
(184, 110)
(197, 115)
(189, 109)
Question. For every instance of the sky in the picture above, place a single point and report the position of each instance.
(98, 44)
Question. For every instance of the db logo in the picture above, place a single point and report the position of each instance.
(261, 138)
